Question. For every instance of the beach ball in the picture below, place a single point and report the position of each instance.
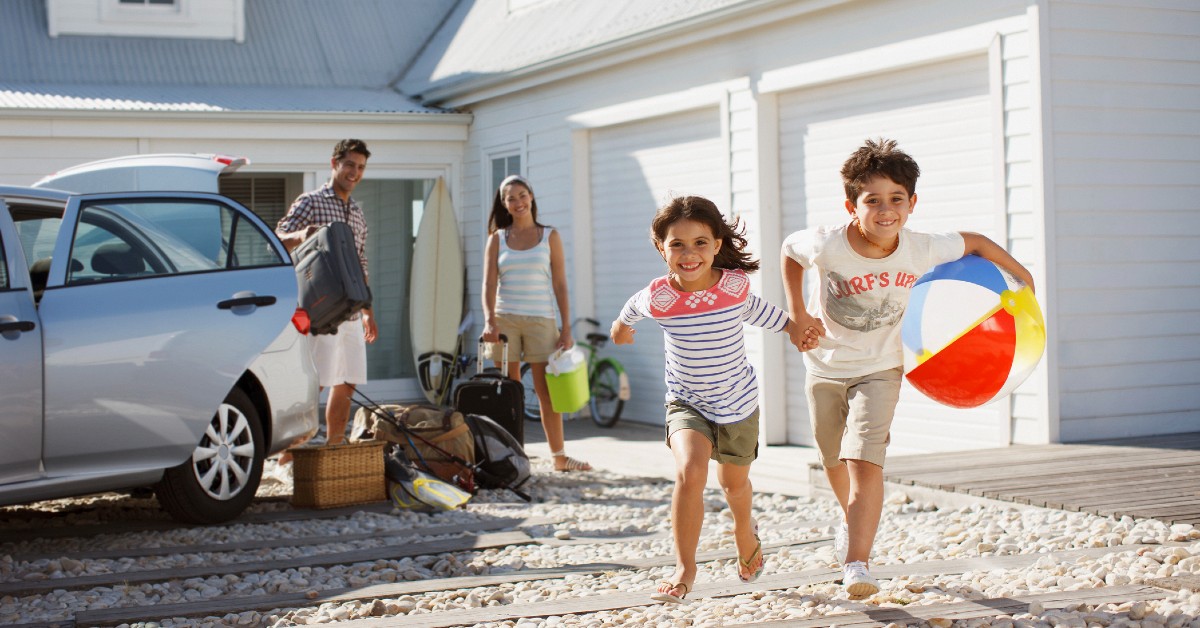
(971, 333)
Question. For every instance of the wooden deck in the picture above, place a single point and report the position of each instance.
(1152, 477)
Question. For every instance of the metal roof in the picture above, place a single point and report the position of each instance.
(485, 38)
(298, 55)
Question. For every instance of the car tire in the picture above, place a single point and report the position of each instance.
(219, 480)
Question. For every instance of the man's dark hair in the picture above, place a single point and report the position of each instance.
(879, 158)
(350, 146)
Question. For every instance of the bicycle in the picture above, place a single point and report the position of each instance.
(607, 382)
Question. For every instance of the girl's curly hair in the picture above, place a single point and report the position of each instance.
(733, 241)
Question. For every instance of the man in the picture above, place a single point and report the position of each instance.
(341, 358)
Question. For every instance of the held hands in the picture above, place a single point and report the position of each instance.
(805, 331)
(621, 333)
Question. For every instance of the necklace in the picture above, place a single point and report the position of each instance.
(858, 223)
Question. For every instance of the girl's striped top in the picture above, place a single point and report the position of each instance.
(706, 354)
(525, 286)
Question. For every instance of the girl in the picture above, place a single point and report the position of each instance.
(712, 394)
(522, 269)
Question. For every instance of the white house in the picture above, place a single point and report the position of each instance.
(1065, 130)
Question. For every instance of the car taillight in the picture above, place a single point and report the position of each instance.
(300, 320)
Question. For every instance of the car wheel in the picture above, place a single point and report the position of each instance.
(220, 478)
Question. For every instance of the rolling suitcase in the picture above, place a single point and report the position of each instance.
(332, 285)
(492, 394)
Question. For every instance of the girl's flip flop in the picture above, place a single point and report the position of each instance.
(745, 563)
(665, 596)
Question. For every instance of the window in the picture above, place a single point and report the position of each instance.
(37, 234)
(143, 239)
(186, 19)
(267, 195)
(502, 167)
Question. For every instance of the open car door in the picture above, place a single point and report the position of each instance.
(20, 361)
(155, 306)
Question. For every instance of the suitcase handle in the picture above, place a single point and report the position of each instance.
(479, 353)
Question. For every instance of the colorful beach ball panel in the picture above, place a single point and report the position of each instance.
(970, 333)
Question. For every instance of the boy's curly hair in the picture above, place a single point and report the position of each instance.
(879, 158)
(733, 241)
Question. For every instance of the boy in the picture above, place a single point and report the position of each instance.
(865, 270)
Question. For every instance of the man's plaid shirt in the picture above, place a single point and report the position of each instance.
(321, 207)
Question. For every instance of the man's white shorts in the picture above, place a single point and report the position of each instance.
(341, 358)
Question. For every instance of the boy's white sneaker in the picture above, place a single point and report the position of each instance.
(841, 543)
(857, 581)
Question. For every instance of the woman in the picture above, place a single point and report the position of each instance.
(522, 271)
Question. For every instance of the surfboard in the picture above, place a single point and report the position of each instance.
(436, 294)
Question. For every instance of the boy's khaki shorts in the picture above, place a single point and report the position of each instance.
(852, 417)
(732, 443)
(530, 338)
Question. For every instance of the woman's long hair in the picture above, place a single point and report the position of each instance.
(500, 218)
(733, 241)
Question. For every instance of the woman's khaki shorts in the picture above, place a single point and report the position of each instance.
(733, 443)
(530, 338)
(852, 417)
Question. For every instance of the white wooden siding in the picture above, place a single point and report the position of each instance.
(1125, 79)
(635, 167)
(1028, 405)
(939, 113)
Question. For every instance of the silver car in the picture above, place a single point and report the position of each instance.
(146, 339)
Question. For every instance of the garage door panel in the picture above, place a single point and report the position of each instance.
(940, 115)
(634, 169)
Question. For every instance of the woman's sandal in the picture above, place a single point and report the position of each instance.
(747, 563)
(665, 596)
(572, 464)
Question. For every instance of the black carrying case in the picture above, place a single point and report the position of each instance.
(332, 285)
(491, 393)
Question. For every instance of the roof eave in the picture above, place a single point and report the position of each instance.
(388, 117)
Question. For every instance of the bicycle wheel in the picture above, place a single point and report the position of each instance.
(533, 411)
(606, 404)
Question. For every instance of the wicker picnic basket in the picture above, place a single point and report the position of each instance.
(338, 475)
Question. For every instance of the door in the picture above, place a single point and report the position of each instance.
(939, 114)
(154, 308)
(20, 362)
(635, 167)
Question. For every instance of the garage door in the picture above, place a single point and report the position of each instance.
(634, 168)
(940, 115)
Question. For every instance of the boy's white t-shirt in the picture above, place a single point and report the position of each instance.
(861, 300)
